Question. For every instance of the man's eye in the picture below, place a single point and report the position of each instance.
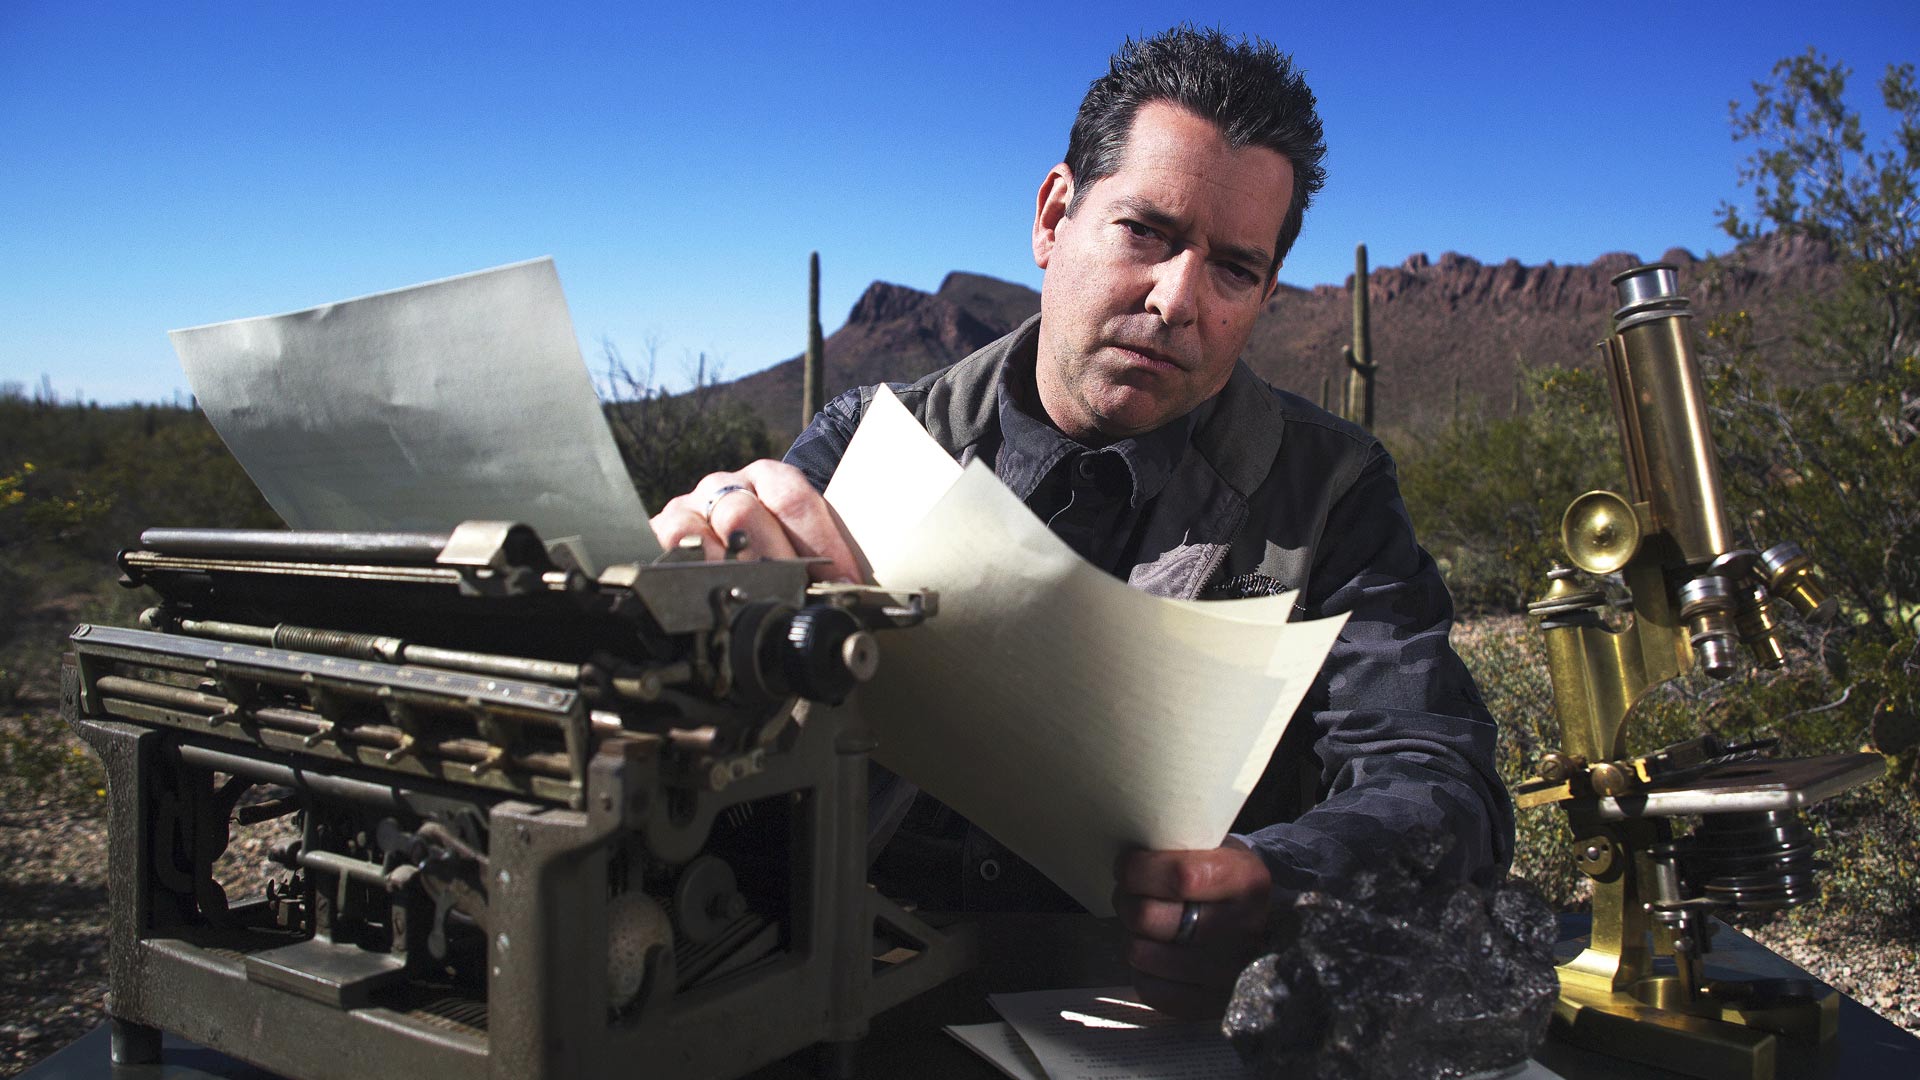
(1142, 232)
(1240, 274)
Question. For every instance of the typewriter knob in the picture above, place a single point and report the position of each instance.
(825, 652)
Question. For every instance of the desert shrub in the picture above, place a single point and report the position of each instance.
(1487, 495)
(27, 664)
(670, 440)
(1831, 462)
(178, 474)
(39, 756)
(1872, 881)
(1510, 666)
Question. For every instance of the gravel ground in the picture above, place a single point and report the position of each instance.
(53, 897)
(1882, 975)
(53, 946)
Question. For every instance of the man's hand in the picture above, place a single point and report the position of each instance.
(776, 507)
(1230, 886)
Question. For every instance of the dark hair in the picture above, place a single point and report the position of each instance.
(1249, 89)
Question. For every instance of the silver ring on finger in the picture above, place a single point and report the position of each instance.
(1189, 919)
(713, 500)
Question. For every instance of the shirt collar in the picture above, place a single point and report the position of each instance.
(1031, 448)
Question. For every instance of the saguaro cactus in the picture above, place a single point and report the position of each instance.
(1359, 355)
(813, 387)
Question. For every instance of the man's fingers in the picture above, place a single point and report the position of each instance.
(1230, 924)
(680, 519)
(781, 514)
(736, 507)
(1226, 890)
(1150, 918)
(1227, 872)
(812, 527)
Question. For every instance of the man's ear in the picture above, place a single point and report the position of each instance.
(1273, 283)
(1056, 191)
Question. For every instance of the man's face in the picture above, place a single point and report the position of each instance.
(1153, 284)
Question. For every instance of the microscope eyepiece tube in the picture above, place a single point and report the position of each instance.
(1671, 460)
(1643, 284)
(1759, 631)
(1789, 574)
(1707, 606)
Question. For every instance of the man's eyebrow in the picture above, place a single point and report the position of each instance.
(1149, 214)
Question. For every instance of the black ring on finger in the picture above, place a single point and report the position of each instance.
(1189, 919)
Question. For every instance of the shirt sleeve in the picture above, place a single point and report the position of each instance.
(818, 450)
(1402, 738)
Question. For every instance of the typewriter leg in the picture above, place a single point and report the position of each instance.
(129, 1043)
(838, 1060)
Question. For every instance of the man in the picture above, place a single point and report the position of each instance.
(1122, 417)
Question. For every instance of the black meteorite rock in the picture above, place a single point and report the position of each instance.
(1400, 978)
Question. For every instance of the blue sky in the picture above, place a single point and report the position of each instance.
(166, 165)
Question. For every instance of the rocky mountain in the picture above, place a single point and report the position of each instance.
(893, 334)
(1448, 333)
(1456, 329)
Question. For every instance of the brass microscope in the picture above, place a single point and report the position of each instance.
(1640, 989)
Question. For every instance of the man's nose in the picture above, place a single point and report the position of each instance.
(1176, 288)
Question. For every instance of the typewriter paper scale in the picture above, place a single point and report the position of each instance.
(1068, 714)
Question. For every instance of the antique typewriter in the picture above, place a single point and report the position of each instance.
(531, 822)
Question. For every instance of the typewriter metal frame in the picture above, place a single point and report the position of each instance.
(630, 846)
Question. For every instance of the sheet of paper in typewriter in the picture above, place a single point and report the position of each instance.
(416, 409)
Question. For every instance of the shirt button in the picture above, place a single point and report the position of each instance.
(1084, 466)
(989, 870)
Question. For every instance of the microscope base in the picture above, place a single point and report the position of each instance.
(1728, 1030)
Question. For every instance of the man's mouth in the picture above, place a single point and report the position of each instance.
(1153, 356)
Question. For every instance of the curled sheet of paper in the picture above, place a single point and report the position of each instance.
(1068, 714)
(417, 409)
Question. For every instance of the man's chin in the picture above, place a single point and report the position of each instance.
(1132, 412)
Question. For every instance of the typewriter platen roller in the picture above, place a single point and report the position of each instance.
(535, 822)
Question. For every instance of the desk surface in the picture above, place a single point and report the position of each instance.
(1029, 952)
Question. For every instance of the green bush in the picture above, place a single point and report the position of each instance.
(40, 758)
(1509, 663)
(670, 440)
(1487, 495)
